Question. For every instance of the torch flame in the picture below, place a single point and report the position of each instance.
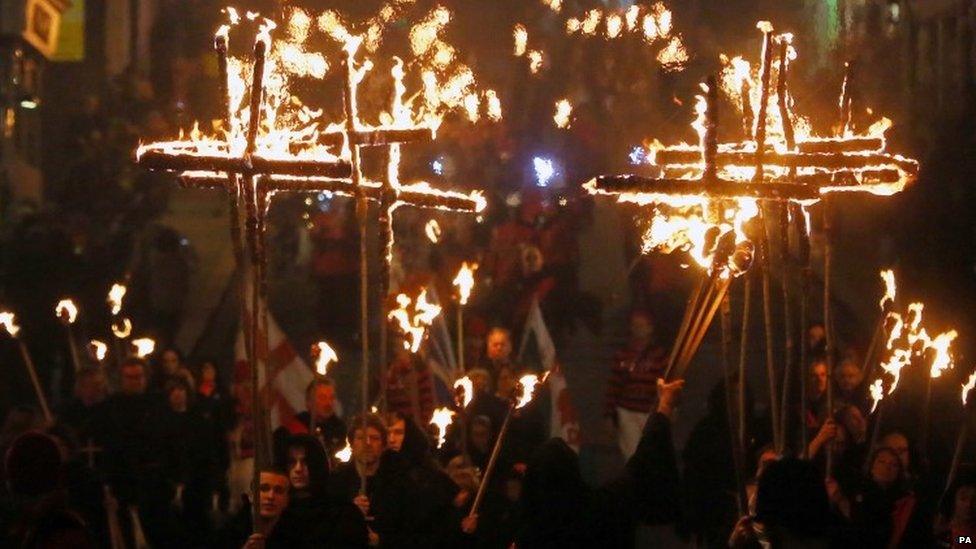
(122, 328)
(564, 109)
(521, 39)
(98, 349)
(433, 231)
(465, 281)
(414, 326)
(915, 341)
(115, 296)
(528, 384)
(442, 418)
(9, 322)
(464, 388)
(967, 387)
(144, 346)
(324, 355)
(345, 454)
(67, 311)
(891, 290)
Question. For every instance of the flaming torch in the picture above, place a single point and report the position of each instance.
(143, 346)
(414, 326)
(324, 355)
(114, 299)
(463, 394)
(9, 323)
(442, 418)
(98, 350)
(524, 392)
(464, 282)
(67, 312)
(967, 388)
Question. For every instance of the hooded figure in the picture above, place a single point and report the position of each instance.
(413, 501)
(560, 510)
(322, 522)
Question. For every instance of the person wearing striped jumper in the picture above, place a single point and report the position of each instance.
(632, 388)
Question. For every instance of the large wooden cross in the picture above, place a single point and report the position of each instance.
(794, 176)
(251, 179)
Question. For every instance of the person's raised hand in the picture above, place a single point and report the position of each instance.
(256, 541)
(362, 502)
(667, 395)
(828, 431)
(469, 524)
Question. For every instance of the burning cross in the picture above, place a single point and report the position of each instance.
(251, 178)
(750, 174)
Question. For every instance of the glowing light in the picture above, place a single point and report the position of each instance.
(442, 418)
(528, 384)
(564, 109)
(122, 328)
(144, 346)
(465, 281)
(9, 322)
(324, 355)
(437, 166)
(967, 387)
(535, 61)
(464, 389)
(67, 311)
(888, 276)
(544, 171)
(98, 349)
(414, 326)
(345, 454)
(521, 39)
(115, 296)
(433, 231)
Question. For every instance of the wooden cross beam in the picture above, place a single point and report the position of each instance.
(251, 178)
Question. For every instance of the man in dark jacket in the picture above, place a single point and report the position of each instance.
(559, 510)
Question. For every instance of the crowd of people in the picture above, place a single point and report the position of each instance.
(162, 454)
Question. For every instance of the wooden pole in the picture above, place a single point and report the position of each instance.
(737, 454)
(774, 411)
(743, 355)
(789, 351)
(32, 372)
(803, 259)
(362, 217)
(828, 322)
(492, 461)
(73, 347)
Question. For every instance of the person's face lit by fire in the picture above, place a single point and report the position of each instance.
(899, 445)
(170, 361)
(816, 336)
(479, 380)
(855, 423)
(641, 327)
(964, 510)
(133, 379)
(177, 398)
(274, 494)
(499, 346)
(367, 445)
(818, 378)
(91, 389)
(322, 403)
(848, 376)
(531, 260)
(208, 373)
(506, 383)
(395, 435)
(885, 469)
(480, 437)
(297, 468)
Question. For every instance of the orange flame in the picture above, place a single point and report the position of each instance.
(442, 418)
(564, 109)
(345, 454)
(433, 231)
(324, 355)
(67, 311)
(528, 384)
(414, 326)
(98, 349)
(465, 387)
(9, 322)
(144, 346)
(465, 281)
(967, 387)
(122, 328)
(115, 296)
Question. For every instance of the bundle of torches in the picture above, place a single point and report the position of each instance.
(413, 317)
(716, 189)
(66, 311)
